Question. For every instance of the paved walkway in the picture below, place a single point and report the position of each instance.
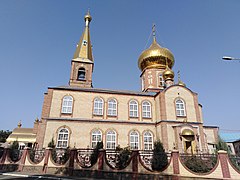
(22, 176)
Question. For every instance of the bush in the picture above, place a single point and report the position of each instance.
(14, 151)
(160, 159)
(123, 156)
(95, 154)
(196, 164)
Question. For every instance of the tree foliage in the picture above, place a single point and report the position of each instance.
(222, 145)
(94, 155)
(14, 151)
(160, 159)
(123, 156)
(4, 135)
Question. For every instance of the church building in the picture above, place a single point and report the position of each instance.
(78, 115)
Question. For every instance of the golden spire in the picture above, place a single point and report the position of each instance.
(20, 124)
(84, 46)
(179, 80)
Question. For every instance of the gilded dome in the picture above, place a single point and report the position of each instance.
(155, 57)
(168, 74)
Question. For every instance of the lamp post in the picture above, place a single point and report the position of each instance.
(228, 58)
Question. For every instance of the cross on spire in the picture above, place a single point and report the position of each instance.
(154, 32)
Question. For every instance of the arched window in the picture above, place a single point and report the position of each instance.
(81, 74)
(98, 106)
(111, 140)
(133, 108)
(112, 107)
(148, 140)
(146, 109)
(62, 140)
(96, 137)
(67, 103)
(134, 140)
(180, 108)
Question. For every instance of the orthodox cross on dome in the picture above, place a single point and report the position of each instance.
(154, 32)
(178, 75)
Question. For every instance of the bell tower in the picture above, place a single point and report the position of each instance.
(82, 62)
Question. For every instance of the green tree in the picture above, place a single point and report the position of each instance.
(94, 155)
(222, 145)
(4, 135)
(160, 159)
(14, 151)
(51, 144)
(123, 156)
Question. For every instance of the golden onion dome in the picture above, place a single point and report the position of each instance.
(155, 57)
(187, 132)
(168, 74)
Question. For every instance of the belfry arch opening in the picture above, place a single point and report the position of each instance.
(81, 74)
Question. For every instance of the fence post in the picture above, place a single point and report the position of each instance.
(48, 152)
(23, 158)
(4, 156)
(223, 158)
(175, 159)
(101, 157)
(135, 155)
(72, 157)
(100, 161)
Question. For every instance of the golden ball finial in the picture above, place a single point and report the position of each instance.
(88, 17)
(20, 124)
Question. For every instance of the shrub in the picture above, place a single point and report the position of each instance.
(160, 159)
(94, 155)
(122, 157)
(196, 164)
(14, 151)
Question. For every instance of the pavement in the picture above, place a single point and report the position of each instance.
(29, 176)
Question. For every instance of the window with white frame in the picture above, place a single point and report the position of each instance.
(180, 107)
(98, 106)
(96, 137)
(133, 108)
(146, 109)
(134, 140)
(67, 103)
(111, 140)
(112, 107)
(148, 140)
(62, 140)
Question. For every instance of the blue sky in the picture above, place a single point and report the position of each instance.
(38, 39)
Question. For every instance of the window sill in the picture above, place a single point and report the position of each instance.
(181, 116)
(112, 115)
(134, 117)
(67, 114)
(98, 115)
(147, 117)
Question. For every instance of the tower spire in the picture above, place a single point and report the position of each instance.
(82, 62)
(84, 46)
